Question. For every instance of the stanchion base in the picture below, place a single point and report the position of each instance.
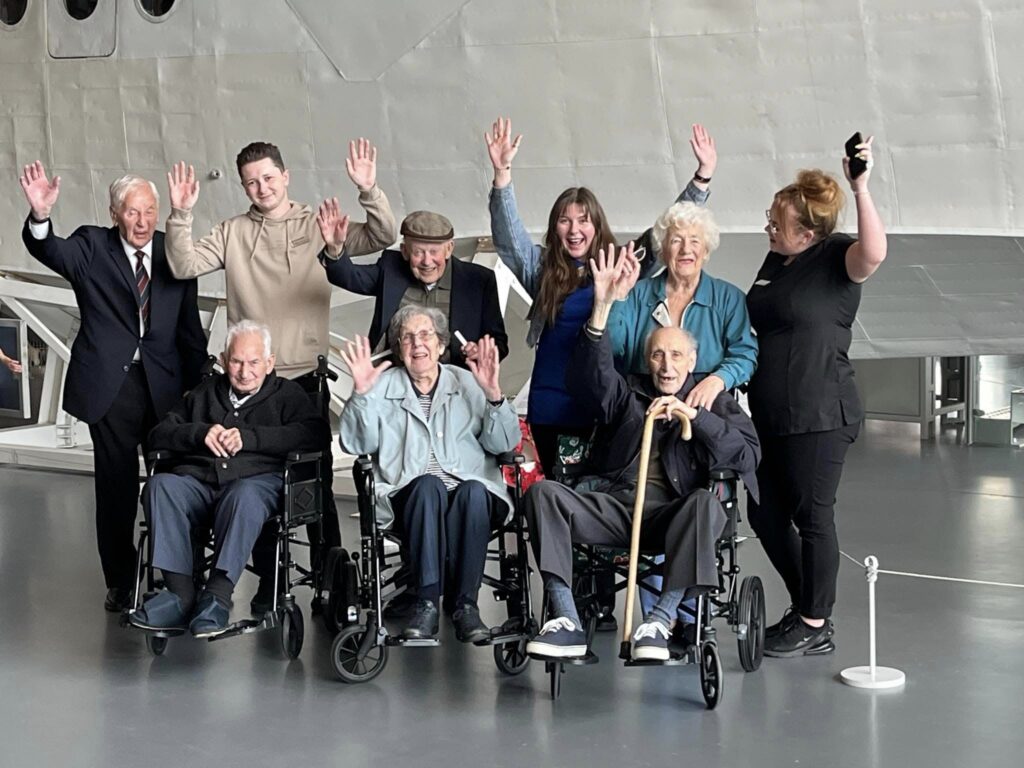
(883, 677)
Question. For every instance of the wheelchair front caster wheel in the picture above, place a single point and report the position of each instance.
(156, 645)
(511, 658)
(349, 666)
(750, 614)
(292, 632)
(710, 675)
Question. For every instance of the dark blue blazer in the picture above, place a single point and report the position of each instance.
(475, 310)
(174, 347)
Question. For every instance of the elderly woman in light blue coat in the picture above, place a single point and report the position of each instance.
(435, 430)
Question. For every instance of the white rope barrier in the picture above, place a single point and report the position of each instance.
(872, 676)
(939, 578)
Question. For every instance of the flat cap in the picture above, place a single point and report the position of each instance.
(427, 226)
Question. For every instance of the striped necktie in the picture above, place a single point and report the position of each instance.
(142, 283)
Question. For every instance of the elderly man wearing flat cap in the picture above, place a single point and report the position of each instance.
(423, 273)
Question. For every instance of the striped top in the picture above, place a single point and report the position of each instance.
(433, 468)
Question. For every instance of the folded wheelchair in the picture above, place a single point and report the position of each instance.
(373, 577)
(303, 504)
(740, 603)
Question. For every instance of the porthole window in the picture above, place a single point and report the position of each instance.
(156, 8)
(12, 11)
(80, 9)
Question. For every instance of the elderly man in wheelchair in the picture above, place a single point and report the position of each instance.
(680, 517)
(436, 430)
(230, 438)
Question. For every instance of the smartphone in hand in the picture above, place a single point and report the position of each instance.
(857, 166)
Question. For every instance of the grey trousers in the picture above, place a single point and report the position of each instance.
(175, 504)
(685, 530)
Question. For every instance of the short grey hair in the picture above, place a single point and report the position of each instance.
(405, 314)
(690, 339)
(682, 215)
(244, 327)
(120, 188)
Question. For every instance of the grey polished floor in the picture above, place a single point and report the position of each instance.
(76, 690)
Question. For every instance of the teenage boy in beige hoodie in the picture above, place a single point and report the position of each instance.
(269, 257)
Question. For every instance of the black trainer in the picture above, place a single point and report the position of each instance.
(424, 622)
(782, 624)
(800, 639)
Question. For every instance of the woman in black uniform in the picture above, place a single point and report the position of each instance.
(802, 396)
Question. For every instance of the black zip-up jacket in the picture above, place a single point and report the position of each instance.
(723, 436)
(278, 420)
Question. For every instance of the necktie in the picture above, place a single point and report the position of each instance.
(142, 283)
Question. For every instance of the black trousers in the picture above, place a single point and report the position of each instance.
(116, 439)
(684, 529)
(795, 519)
(446, 534)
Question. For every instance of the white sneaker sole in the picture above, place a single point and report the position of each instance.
(555, 651)
(648, 653)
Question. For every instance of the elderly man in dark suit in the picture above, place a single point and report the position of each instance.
(422, 272)
(140, 346)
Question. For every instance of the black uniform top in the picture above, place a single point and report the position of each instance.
(803, 316)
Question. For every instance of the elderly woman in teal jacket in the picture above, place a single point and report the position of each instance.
(685, 296)
(436, 430)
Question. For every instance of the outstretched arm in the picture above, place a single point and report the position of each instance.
(380, 229)
(867, 254)
(186, 258)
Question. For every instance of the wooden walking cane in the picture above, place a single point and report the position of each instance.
(638, 514)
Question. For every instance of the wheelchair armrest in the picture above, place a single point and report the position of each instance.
(301, 458)
(724, 474)
(322, 369)
(154, 456)
(510, 459)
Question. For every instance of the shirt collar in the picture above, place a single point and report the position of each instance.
(130, 249)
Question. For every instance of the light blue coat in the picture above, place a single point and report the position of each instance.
(464, 431)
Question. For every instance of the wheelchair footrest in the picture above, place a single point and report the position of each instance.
(500, 638)
(413, 642)
(576, 661)
(244, 627)
(674, 660)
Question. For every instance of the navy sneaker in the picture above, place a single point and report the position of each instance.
(650, 642)
(162, 611)
(559, 638)
(800, 639)
(211, 617)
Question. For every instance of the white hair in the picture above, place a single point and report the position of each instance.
(688, 337)
(120, 188)
(244, 327)
(682, 215)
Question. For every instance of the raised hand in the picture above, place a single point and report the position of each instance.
(183, 186)
(360, 365)
(629, 271)
(41, 193)
(501, 147)
(613, 280)
(333, 225)
(863, 153)
(485, 368)
(703, 145)
(361, 164)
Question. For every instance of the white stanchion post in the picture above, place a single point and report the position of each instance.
(872, 676)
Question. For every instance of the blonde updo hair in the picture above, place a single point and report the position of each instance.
(817, 199)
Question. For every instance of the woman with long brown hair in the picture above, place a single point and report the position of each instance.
(557, 276)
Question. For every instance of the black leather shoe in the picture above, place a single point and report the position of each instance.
(424, 622)
(468, 626)
(263, 598)
(117, 599)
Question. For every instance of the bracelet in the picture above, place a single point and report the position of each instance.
(702, 179)
(496, 403)
(34, 220)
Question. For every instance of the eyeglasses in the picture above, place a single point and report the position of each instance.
(423, 337)
(772, 226)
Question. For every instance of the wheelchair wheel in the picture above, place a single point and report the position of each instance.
(345, 656)
(710, 675)
(751, 614)
(292, 632)
(511, 658)
(156, 645)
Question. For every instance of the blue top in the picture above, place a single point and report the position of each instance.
(717, 317)
(549, 402)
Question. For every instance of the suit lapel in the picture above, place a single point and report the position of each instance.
(121, 263)
(157, 275)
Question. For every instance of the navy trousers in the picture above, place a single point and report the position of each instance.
(176, 504)
(446, 534)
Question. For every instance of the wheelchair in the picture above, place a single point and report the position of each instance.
(303, 504)
(740, 603)
(374, 577)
